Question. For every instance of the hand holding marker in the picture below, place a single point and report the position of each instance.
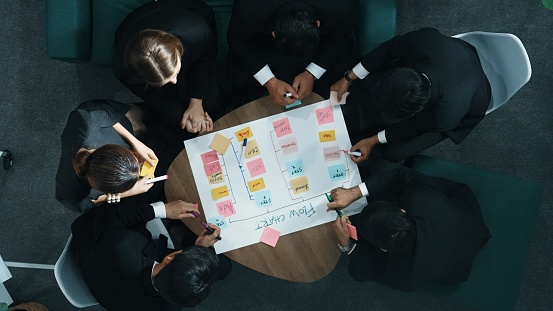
(208, 228)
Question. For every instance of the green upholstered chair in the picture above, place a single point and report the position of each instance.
(82, 31)
(510, 207)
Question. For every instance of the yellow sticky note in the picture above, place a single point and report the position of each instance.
(327, 136)
(244, 133)
(216, 178)
(252, 149)
(147, 168)
(256, 184)
(299, 184)
(219, 192)
(220, 143)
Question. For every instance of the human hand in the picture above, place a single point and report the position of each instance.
(342, 198)
(341, 230)
(194, 119)
(207, 239)
(179, 209)
(139, 187)
(365, 146)
(303, 83)
(340, 87)
(144, 151)
(277, 89)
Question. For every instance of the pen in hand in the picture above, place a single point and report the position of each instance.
(337, 210)
(210, 230)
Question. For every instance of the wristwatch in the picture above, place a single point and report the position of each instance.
(346, 76)
(347, 248)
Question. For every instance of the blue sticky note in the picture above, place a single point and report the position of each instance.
(294, 104)
(295, 168)
(219, 221)
(263, 198)
(337, 172)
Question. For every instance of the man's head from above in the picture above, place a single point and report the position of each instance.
(386, 226)
(297, 35)
(154, 56)
(110, 168)
(184, 278)
(400, 93)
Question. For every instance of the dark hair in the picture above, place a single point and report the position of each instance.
(110, 168)
(386, 226)
(297, 35)
(152, 55)
(186, 280)
(400, 93)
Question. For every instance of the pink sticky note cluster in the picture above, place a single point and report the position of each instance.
(270, 236)
(212, 168)
(209, 157)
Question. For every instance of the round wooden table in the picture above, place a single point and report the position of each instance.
(304, 256)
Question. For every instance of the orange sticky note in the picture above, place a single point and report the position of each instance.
(216, 178)
(220, 143)
(270, 236)
(252, 149)
(148, 169)
(352, 231)
(327, 136)
(244, 133)
(219, 192)
(299, 184)
(256, 184)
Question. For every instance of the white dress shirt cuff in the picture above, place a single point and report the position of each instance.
(364, 190)
(264, 75)
(382, 137)
(360, 71)
(316, 70)
(159, 209)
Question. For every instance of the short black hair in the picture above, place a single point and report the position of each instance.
(186, 280)
(386, 226)
(400, 93)
(297, 35)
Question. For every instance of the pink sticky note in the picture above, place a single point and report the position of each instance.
(209, 157)
(212, 168)
(334, 98)
(256, 167)
(332, 153)
(352, 232)
(270, 236)
(282, 127)
(325, 115)
(288, 145)
(226, 208)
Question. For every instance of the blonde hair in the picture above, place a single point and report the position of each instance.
(153, 55)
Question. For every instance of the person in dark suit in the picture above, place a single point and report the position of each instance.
(165, 54)
(417, 230)
(118, 259)
(420, 88)
(99, 131)
(286, 45)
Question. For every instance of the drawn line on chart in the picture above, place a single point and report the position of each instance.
(227, 174)
(242, 172)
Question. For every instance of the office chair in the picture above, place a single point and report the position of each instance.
(7, 158)
(70, 278)
(505, 63)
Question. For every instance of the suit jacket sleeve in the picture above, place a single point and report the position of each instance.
(390, 182)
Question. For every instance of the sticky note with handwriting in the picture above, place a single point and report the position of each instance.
(332, 153)
(288, 145)
(299, 184)
(209, 157)
(325, 136)
(243, 133)
(325, 115)
(219, 192)
(219, 221)
(263, 198)
(256, 167)
(282, 127)
(270, 236)
(295, 168)
(226, 208)
(256, 184)
(252, 149)
(220, 143)
(216, 178)
(337, 172)
(212, 168)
